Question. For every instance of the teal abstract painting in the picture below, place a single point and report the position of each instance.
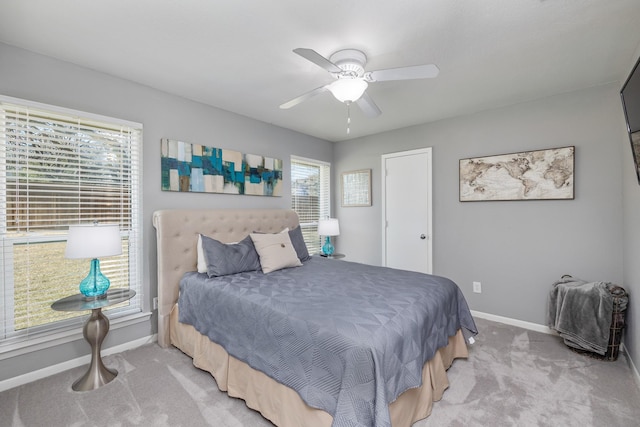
(199, 168)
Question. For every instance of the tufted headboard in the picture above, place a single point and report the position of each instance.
(177, 236)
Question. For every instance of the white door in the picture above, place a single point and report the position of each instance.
(406, 215)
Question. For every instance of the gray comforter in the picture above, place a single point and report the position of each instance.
(348, 337)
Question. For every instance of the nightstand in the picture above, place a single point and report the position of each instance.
(334, 256)
(95, 330)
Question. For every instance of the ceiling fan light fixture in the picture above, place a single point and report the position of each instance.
(348, 90)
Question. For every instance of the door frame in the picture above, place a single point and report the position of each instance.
(429, 188)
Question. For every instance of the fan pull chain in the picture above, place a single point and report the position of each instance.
(348, 118)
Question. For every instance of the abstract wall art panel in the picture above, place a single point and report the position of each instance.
(199, 168)
(529, 175)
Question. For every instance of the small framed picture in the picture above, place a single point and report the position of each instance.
(355, 188)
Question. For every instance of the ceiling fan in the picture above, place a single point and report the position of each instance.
(347, 66)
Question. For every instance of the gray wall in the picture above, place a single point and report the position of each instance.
(516, 249)
(631, 224)
(37, 78)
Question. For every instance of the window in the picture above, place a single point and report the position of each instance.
(310, 197)
(61, 167)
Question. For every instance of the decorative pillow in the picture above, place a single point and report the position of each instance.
(299, 245)
(298, 242)
(275, 251)
(223, 259)
(202, 261)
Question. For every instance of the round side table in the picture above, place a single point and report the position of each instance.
(95, 330)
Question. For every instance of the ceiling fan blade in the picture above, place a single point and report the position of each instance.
(316, 58)
(404, 73)
(368, 107)
(304, 97)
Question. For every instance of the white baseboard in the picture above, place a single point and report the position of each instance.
(74, 363)
(636, 374)
(514, 322)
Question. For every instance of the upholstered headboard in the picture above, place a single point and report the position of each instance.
(177, 236)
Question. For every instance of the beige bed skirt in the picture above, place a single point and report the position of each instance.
(282, 405)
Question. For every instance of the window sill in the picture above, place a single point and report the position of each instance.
(70, 334)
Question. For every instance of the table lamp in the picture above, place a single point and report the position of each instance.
(93, 241)
(328, 227)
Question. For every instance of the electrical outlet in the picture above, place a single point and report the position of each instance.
(155, 303)
(477, 287)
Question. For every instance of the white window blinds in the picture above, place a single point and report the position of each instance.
(310, 197)
(60, 167)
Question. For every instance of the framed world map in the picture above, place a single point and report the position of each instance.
(528, 175)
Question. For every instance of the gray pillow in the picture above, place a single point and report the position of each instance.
(299, 245)
(223, 259)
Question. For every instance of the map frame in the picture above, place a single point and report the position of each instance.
(546, 174)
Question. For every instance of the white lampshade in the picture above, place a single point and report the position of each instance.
(93, 241)
(329, 227)
(348, 90)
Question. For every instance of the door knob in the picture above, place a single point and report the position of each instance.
(422, 236)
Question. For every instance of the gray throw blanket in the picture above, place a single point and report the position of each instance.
(581, 313)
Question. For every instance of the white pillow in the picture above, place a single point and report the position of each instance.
(202, 262)
(275, 251)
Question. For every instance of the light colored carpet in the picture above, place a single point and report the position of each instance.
(513, 377)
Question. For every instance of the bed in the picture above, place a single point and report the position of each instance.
(335, 374)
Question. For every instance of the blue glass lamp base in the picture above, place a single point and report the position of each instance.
(328, 248)
(96, 284)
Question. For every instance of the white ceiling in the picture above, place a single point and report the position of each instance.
(237, 55)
